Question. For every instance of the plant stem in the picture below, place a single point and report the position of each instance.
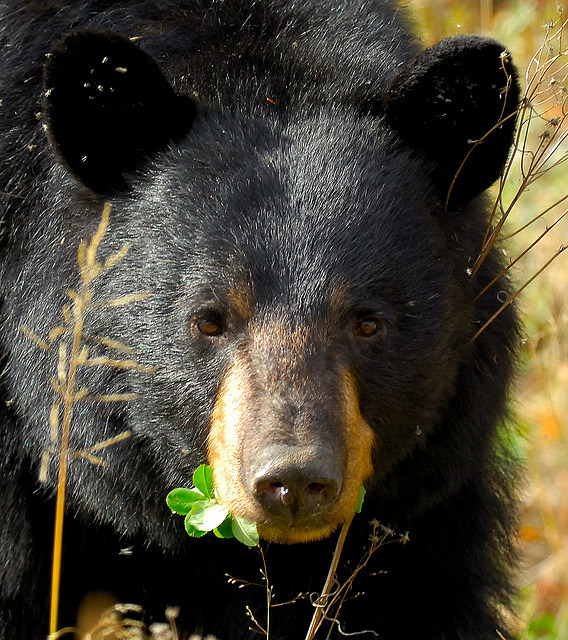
(63, 460)
(89, 269)
(526, 284)
(268, 593)
(326, 591)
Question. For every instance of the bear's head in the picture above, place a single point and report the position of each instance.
(311, 299)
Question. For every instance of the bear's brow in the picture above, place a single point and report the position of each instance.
(241, 298)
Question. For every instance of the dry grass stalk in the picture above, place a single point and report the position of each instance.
(115, 623)
(118, 623)
(64, 384)
(545, 101)
(328, 605)
(329, 581)
(89, 269)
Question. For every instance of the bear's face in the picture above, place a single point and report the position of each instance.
(309, 302)
(303, 311)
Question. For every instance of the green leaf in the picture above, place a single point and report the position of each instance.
(359, 504)
(206, 515)
(191, 530)
(245, 531)
(225, 529)
(181, 500)
(203, 480)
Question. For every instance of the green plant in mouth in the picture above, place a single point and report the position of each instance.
(203, 512)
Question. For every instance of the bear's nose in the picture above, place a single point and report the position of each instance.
(296, 486)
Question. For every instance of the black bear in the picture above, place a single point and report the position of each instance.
(301, 187)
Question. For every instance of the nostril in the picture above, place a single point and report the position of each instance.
(275, 493)
(317, 491)
(318, 495)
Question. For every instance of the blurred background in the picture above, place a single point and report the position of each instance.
(540, 403)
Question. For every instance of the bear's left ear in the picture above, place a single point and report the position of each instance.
(107, 107)
(446, 100)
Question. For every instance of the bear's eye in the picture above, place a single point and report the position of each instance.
(209, 327)
(370, 327)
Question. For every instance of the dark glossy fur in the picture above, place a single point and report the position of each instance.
(305, 168)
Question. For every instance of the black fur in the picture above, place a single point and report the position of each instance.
(297, 147)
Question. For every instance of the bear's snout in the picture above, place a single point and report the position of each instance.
(295, 483)
(284, 461)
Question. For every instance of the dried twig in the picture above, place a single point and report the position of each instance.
(545, 101)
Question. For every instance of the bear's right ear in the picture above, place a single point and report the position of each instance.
(107, 106)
